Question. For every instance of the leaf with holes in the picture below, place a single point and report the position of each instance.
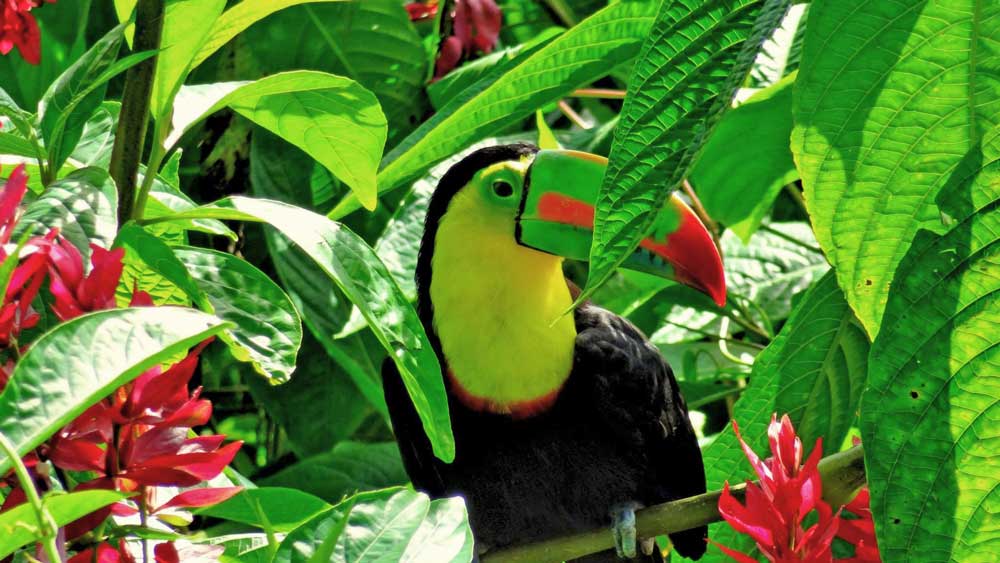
(890, 97)
(695, 57)
(814, 371)
(930, 417)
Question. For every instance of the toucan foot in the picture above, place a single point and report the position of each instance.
(623, 527)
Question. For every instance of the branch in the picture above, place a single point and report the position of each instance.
(131, 133)
(843, 474)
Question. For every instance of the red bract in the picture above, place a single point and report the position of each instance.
(106, 553)
(421, 10)
(10, 198)
(18, 28)
(477, 24)
(860, 531)
(773, 511)
(75, 293)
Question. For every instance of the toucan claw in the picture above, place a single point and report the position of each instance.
(623, 528)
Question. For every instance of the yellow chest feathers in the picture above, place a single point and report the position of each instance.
(498, 311)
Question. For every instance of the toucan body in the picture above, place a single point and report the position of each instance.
(563, 422)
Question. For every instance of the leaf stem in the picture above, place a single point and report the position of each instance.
(769, 229)
(156, 155)
(600, 93)
(571, 114)
(843, 474)
(130, 136)
(45, 522)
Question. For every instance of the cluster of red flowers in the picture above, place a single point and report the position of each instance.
(18, 28)
(476, 28)
(788, 492)
(137, 440)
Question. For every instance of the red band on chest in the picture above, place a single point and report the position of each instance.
(517, 410)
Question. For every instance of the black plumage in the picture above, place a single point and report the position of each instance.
(617, 433)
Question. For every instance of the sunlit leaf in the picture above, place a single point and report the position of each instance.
(187, 24)
(284, 509)
(18, 525)
(350, 468)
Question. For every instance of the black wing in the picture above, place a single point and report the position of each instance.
(414, 446)
(637, 397)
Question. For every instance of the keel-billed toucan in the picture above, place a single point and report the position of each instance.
(562, 422)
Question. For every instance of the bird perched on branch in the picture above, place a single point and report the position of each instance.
(563, 421)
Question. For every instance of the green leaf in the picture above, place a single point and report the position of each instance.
(579, 56)
(82, 205)
(357, 271)
(284, 509)
(187, 25)
(166, 199)
(695, 57)
(389, 525)
(70, 101)
(781, 53)
(334, 411)
(546, 140)
(237, 19)
(889, 100)
(15, 145)
(266, 328)
(18, 525)
(349, 468)
(98, 137)
(929, 415)
(747, 160)
(332, 118)
(151, 266)
(97, 353)
(814, 371)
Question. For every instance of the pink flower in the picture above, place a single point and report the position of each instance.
(421, 11)
(774, 510)
(18, 28)
(477, 24)
(76, 294)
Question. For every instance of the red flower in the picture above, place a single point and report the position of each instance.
(75, 294)
(13, 192)
(448, 57)
(421, 11)
(106, 553)
(477, 24)
(860, 531)
(775, 508)
(18, 28)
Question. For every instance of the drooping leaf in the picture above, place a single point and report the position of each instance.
(82, 205)
(585, 53)
(697, 54)
(284, 509)
(333, 119)
(747, 160)
(929, 416)
(372, 42)
(266, 328)
(75, 95)
(18, 525)
(814, 371)
(351, 467)
(357, 271)
(890, 99)
(99, 352)
(388, 525)
(187, 24)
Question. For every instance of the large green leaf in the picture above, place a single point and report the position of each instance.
(97, 137)
(333, 119)
(357, 271)
(697, 54)
(579, 56)
(389, 525)
(18, 525)
(237, 19)
(187, 24)
(15, 145)
(349, 468)
(930, 417)
(781, 53)
(277, 508)
(747, 160)
(151, 266)
(82, 205)
(80, 362)
(890, 97)
(266, 329)
(372, 42)
(75, 95)
(814, 371)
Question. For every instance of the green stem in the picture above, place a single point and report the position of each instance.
(769, 229)
(45, 522)
(130, 136)
(842, 473)
(155, 160)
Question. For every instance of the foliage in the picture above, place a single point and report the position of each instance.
(843, 154)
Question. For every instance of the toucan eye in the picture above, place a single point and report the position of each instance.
(503, 189)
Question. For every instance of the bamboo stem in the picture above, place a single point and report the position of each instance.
(843, 474)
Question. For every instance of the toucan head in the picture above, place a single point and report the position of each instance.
(544, 200)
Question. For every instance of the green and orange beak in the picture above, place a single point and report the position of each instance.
(557, 216)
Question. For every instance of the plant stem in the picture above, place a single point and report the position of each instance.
(45, 522)
(571, 114)
(600, 93)
(793, 191)
(842, 473)
(156, 155)
(131, 133)
(769, 229)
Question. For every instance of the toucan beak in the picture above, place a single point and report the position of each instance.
(557, 216)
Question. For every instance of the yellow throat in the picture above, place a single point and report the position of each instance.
(498, 308)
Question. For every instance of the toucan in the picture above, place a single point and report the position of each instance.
(563, 420)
